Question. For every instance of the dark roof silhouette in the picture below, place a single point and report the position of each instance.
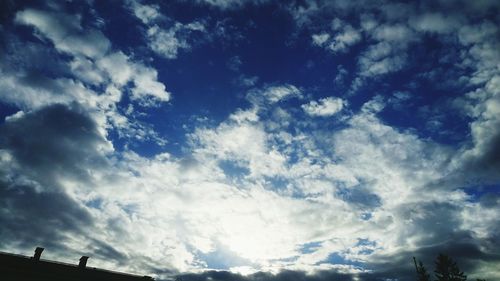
(24, 268)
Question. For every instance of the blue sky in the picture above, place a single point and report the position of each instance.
(266, 139)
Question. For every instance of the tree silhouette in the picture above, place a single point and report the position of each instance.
(422, 274)
(447, 269)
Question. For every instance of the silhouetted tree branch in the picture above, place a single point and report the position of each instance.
(422, 274)
(447, 269)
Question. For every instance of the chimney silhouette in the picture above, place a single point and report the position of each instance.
(83, 262)
(38, 253)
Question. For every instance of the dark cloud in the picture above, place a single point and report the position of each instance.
(53, 141)
(433, 228)
(462, 248)
(19, 56)
(287, 275)
(44, 146)
(484, 167)
(104, 250)
(30, 218)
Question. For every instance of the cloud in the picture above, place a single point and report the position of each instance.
(244, 143)
(247, 81)
(345, 36)
(320, 39)
(435, 22)
(480, 160)
(482, 103)
(51, 124)
(273, 94)
(147, 90)
(231, 4)
(469, 34)
(38, 150)
(146, 13)
(65, 32)
(380, 59)
(285, 275)
(234, 63)
(166, 42)
(319, 201)
(85, 70)
(388, 55)
(393, 33)
(95, 46)
(324, 107)
(202, 221)
(96, 76)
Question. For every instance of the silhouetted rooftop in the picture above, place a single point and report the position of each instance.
(24, 268)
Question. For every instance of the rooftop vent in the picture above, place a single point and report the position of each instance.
(38, 253)
(83, 262)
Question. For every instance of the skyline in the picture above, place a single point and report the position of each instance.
(319, 139)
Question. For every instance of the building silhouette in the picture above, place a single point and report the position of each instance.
(23, 268)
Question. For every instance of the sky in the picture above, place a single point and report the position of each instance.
(252, 140)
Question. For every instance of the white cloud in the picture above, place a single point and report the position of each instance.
(68, 36)
(469, 34)
(147, 90)
(85, 70)
(165, 41)
(168, 42)
(146, 13)
(65, 32)
(368, 22)
(435, 22)
(234, 63)
(341, 75)
(394, 33)
(290, 186)
(274, 94)
(345, 37)
(481, 104)
(342, 41)
(380, 59)
(337, 24)
(247, 81)
(170, 209)
(230, 4)
(93, 63)
(118, 67)
(386, 65)
(324, 107)
(59, 90)
(320, 39)
(277, 93)
(245, 143)
(375, 105)
(388, 55)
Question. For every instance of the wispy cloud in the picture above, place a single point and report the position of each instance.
(324, 107)
(165, 41)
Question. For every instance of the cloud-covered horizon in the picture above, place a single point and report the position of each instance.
(252, 140)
